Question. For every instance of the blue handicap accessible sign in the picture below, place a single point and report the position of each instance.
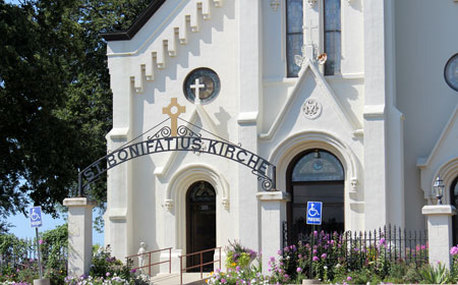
(35, 217)
(314, 212)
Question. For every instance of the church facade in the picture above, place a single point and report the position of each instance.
(348, 102)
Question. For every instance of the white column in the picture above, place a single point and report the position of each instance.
(439, 233)
(79, 235)
(375, 136)
(273, 213)
(249, 92)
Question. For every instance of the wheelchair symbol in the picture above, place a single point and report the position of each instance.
(34, 216)
(312, 211)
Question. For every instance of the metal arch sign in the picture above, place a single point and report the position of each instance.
(180, 138)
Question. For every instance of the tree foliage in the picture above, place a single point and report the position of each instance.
(55, 100)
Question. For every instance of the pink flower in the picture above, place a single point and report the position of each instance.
(454, 250)
(40, 241)
(323, 256)
(223, 281)
(299, 269)
(349, 278)
(107, 274)
(315, 258)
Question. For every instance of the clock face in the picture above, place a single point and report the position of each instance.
(201, 83)
(451, 72)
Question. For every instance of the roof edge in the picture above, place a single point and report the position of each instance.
(139, 22)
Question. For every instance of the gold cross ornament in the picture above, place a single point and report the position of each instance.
(174, 111)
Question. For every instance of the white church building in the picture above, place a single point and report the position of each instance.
(229, 115)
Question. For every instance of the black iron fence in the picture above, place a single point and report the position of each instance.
(357, 248)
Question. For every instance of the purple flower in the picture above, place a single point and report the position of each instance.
(223, 281)
(133, 270)
(324, 255)
(107, 274)
(299, 270)
(272, 259)
(279, 252)
(237, 269)
(315, 258)
(40, 241)
(382, 241)
(315, 251)
(349, 278)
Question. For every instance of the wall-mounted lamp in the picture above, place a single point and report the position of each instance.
(438, 189)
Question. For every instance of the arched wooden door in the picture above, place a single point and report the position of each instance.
(200, 223)
(454, 202)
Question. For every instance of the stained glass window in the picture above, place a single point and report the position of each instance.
(332, 36)
(318, 165)
(294, 35)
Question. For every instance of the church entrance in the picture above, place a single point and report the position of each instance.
(315, 175)
(200, 223)
(454, 202)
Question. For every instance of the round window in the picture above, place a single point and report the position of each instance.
(451, 72)
(201, 83)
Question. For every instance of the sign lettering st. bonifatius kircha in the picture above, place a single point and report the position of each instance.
(314, 212)
(35, 217)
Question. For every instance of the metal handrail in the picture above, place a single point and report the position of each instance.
(149, 253)
(201, 264)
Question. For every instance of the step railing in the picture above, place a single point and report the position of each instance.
(149, 254)
(201, 262)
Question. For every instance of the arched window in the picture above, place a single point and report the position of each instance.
(318, 166)
(315, 175)
(294, 35)
(332, 36)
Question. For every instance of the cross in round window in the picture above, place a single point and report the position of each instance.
(202, 85)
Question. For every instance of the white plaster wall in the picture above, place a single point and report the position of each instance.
(425, 40)
(136, 110)
(392, 65)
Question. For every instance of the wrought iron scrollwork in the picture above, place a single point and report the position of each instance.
(184, 131)
(266, 182)
(164, 132)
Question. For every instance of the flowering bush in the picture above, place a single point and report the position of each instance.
(237, 276)
(240, 256)
(341, 259)
(89, 280)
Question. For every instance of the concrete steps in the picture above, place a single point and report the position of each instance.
(174, 279)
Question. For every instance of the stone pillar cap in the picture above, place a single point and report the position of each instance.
(445, 210)
(273, 196)
(79, 202)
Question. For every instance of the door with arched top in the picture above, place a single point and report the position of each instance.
(454, 202)
(200, 223)
(315, 175)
